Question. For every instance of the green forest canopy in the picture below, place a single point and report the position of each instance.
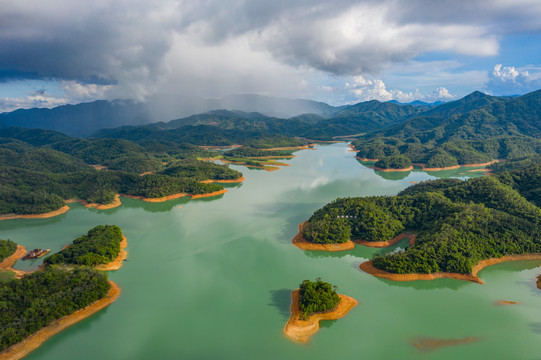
(7, 248)
(459, 222)
(100, 245)
(315, 297)
(29, 304)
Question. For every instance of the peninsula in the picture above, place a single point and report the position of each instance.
(456, 227)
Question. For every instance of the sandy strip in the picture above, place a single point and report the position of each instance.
(23, 348)
(156, 200)
(62, 210)
(369, 268)
(383, 244)
(146, 173)
(239, 180)
(302, 147)
(456, 166)
(423, 166)
(388, 170)
(430, 344)
(273, 157)
(365, 159)
(303, 244)
(116, 203)
(506, 302)
(301, 330)
(116, 263)
(8, 262)
(216, 193)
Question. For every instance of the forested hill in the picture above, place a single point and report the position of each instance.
(223, 127)
(39, 169)
(475, 129)
(459, 222)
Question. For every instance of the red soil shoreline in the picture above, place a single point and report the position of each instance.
(116, 263)
(23, 348)
(239, 180)
(215, 193)
(365, 159)
(370, 269)
(116, 203)
(303, 244)
(388, 170)
(60, 211)
(156, 200)
(301, 330)
(7, 263)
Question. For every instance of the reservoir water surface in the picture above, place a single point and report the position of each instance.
(211, 279)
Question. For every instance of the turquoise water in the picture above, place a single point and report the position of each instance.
(212, 279)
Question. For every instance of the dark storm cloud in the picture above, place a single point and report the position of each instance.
(138, 46)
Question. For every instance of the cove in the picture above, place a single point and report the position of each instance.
(212, 279)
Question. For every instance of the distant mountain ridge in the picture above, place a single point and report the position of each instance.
(86, 118)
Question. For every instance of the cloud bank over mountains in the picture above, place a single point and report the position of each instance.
(134, 49)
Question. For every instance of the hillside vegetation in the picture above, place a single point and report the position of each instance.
(459, 222)
(475, 129)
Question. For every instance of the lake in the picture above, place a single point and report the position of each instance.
(211, 278)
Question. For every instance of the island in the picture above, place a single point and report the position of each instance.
(103, 245)
(458, 227)
(74, 272)
(311, 303)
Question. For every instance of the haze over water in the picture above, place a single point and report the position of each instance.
(212, 279)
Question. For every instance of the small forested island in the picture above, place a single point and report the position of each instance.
(101, 245)
(64, 291)
(461, 226)
(312, 302)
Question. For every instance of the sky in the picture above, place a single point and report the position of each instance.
(57, 52)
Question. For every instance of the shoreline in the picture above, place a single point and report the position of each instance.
(7, 263)
(116, 203)
(116, 263)
(303, 244)
(215, 193)
(424, 168)
(50, 214)
(300, 147)
(370, 269)
(301, 330)
(156, 200)
(31, 343)
(210, 181)
(365, 159)
(389, 170)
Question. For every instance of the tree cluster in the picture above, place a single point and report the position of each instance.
(316, 297)
(29, 304)
(100, 245)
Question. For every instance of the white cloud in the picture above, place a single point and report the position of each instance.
(375, 89)
(34, 99)
(508, 80)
